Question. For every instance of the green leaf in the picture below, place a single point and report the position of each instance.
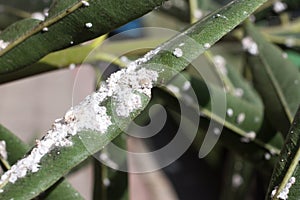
(276, 79)
(16, 149)
(78, 54)
(288, 165)
(238, 177)
(12, 11)
(294, 57)
(234, 132)
(204, 33)
(110, 183)
(66, 25)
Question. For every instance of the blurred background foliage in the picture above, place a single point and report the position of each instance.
(261, 85)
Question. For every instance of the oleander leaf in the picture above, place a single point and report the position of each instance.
(69, 22)
(276, 79)
(287, 167)
(16, 150)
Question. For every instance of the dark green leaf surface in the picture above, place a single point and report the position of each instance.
(288, 164)
(253, 151)
(12, 11)
(233, 132)
(66, 24)
(277, 81)
(110, 183)
(16, 150)
(204, 33)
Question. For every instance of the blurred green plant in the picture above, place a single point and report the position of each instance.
(256, 65)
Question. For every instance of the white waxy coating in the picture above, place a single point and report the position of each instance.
(85, 3)
(285, 191)
(3, 152)
(240, 118)
(3, 44)
(90, 115)
(220, 64)
(38, 16)
(178, 52)
(89, 25)
(279, 6)
(250, 46)
(206, 45)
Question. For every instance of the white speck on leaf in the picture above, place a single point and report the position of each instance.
(89, 25)
(85, 3)
(3, 152)
(106, 182)
(45, 29)
(198, 14)
(285, 55)
(250, 136)
(220, 16)
(267, 156)
(256, 119)
(229, 112)
(220, 64)
(250, 46)
(239, 92)
(178, 52)
(125, 60)
(237, 180)
(217, 131)
(240, 118)
(206, 45)
(279, 6)
(186, 86)
(72, 66)
(3, 44)
(38, 15)
(290, 42)
(46, 12)
(285, 191)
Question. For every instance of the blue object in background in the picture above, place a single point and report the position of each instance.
(130, 26)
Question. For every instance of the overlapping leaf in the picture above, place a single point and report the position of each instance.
(287, 166)
(69, 22)
(276, 79)
(16, 149)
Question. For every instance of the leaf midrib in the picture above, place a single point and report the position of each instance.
(288, 174)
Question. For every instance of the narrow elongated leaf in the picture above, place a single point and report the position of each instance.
(235, 133)
(84, 143)
(16, 149)
(69, 22)
(285, 179)
(110, 183)
(12, 11)
(78, 54)
(277, 81)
